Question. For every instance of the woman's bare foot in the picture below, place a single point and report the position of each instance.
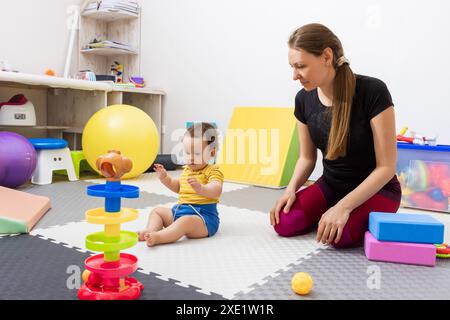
(152, 238)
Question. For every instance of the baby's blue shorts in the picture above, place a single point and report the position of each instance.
(208, 213)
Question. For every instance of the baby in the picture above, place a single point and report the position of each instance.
(199, 188)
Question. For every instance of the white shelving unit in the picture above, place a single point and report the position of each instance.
(112, 25)
(63, 106)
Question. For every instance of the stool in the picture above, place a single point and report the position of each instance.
(80, 164)
(52, 154)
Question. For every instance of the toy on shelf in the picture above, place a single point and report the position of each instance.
(117, 70)
(406, 135)
(50, 72)
(87, 75)
(138, 82)
(18, 111)
(6, 67)
(107, 274)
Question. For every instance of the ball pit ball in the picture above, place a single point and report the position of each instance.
(85, 275)
(302, 283)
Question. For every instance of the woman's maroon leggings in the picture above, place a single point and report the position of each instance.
(313, 201)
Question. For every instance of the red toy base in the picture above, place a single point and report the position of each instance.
(133, 291)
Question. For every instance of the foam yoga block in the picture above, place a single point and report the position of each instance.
(399, 252)
(20, 211)
(402, 227)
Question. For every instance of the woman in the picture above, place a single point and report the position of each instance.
(350, 118)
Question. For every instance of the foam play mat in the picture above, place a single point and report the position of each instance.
(246, 259)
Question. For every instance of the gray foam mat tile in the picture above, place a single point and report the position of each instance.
(70, 201)
(36, 269)
(253, 198)
(348, 274)
(170, 289)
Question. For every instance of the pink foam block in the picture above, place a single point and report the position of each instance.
(399, 252)
(20, 211)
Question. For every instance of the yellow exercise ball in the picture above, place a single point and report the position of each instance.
(302, 283)
(126, 129)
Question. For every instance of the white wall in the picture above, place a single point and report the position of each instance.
(211, 56)
(34, 35)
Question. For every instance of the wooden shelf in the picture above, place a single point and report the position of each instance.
(73, 130)
(109, 15)
(108, 51)
(19, 80)
(109, 24)
(34, 80)
(56, 128)
(64, 106)
(140, 90)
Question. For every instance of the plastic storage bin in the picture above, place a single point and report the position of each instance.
(424, 174)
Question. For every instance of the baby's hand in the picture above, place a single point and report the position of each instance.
(160, 171)
(195, 184)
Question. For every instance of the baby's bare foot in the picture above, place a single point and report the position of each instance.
(151, 238)
(141, 235)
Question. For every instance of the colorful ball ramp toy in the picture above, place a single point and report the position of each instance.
(107, 275)
(443, 251)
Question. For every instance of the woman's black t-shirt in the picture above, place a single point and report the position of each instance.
(346, 173)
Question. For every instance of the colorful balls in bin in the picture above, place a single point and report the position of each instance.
(125, 128)
(418, 176)
(437, 172)
(445, 187)
(436, 194)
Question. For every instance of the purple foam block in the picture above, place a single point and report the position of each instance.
(399, 252)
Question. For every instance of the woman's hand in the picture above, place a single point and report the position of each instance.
(160, 171)
(332, 224)
(286, 201)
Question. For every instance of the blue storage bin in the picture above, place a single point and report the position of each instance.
(424, 174)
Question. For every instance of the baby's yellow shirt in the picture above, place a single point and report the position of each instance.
(204, 176)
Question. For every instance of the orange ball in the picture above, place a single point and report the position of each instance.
(85, 275)
(50, 72)
(302, 283)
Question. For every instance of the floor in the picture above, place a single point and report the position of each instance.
(244, 260)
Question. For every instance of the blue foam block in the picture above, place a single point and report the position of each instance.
(403, 227)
